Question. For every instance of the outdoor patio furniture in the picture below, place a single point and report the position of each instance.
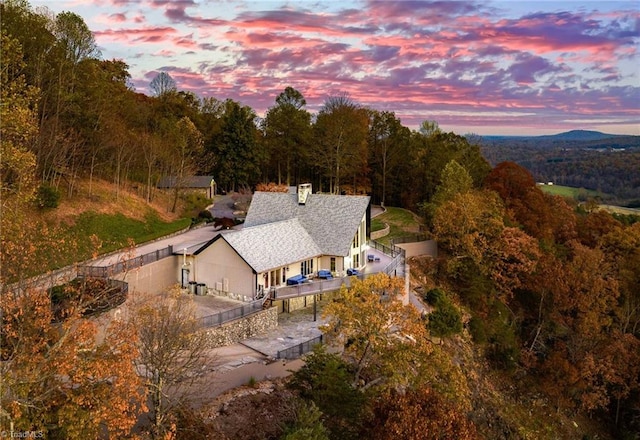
(325, 274)
(296, 279)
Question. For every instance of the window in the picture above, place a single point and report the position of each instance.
(333, 264)
(306, 267)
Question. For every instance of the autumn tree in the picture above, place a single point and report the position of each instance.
(622, 246)
(524, 201)
(17, 131)
(19, 257)
(578, 370)
(62, 378)
(341, 144)
(173, 354)
(287, 132)
(454, 180)
(188, 147)
(272, 187)
(386, 340)
(435, 149)
(417, 414)
(468, 225)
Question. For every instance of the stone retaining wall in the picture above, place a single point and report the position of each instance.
(234, 331)
(381, 233)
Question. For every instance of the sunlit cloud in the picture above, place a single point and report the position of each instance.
(477, 66)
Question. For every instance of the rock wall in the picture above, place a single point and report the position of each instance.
(234, 331)
(381, 233)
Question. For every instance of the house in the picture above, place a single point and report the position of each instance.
(284, 235)
(205, 185)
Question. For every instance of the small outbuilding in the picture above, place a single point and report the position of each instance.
(205, 185)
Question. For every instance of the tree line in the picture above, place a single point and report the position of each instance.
(609, 166)
(551, 288)
(92, 124)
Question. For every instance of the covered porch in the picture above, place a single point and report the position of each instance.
(379, 258)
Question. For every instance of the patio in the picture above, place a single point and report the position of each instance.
(380, 263)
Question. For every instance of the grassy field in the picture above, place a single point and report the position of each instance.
(401, 222)
(620, 210)
(571, 192)
(115, 230)
(94, 217)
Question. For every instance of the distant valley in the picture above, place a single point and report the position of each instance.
(586, 159)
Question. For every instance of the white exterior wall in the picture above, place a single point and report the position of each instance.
(153, 277)
(219, 265)
(359, 250)
(325, 263)
(290, 271)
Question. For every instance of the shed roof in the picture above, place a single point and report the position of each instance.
(187, 182)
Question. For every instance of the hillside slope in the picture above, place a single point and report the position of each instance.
(96, 220)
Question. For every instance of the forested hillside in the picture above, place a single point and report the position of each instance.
(90, 123)
(589, 160)
(528, 289)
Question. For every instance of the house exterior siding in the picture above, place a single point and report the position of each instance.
(357, 257)
(154, 277)
(219, 265)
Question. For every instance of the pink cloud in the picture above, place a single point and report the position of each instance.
(118, 18)
(145, 35)
(452, 58)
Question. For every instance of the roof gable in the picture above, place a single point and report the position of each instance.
(330, 220)
(272, 245)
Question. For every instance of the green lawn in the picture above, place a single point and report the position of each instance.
(114, 231)
(401, 222)
(571, 192)
(377, 225)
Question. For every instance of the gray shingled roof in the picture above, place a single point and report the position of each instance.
(330, 220)
(273, 245)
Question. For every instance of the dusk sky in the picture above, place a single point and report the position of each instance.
(511, 67)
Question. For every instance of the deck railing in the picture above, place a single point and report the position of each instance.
(409, 239)
(297, 351)
(396, 253)
(125, 265)
(309, 288)
(217, 319)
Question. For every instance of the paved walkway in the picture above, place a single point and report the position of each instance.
(222, 207)
(293, 328)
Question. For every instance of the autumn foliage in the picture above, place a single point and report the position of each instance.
(272, 187)
(418, 414)
(550, 288)
(64, 379)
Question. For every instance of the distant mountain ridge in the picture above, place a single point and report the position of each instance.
(573, 135)
(580, 158)
(580, 135)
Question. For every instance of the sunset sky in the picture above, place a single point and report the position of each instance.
(511, 67)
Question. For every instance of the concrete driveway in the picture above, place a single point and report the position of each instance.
(222, 206)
